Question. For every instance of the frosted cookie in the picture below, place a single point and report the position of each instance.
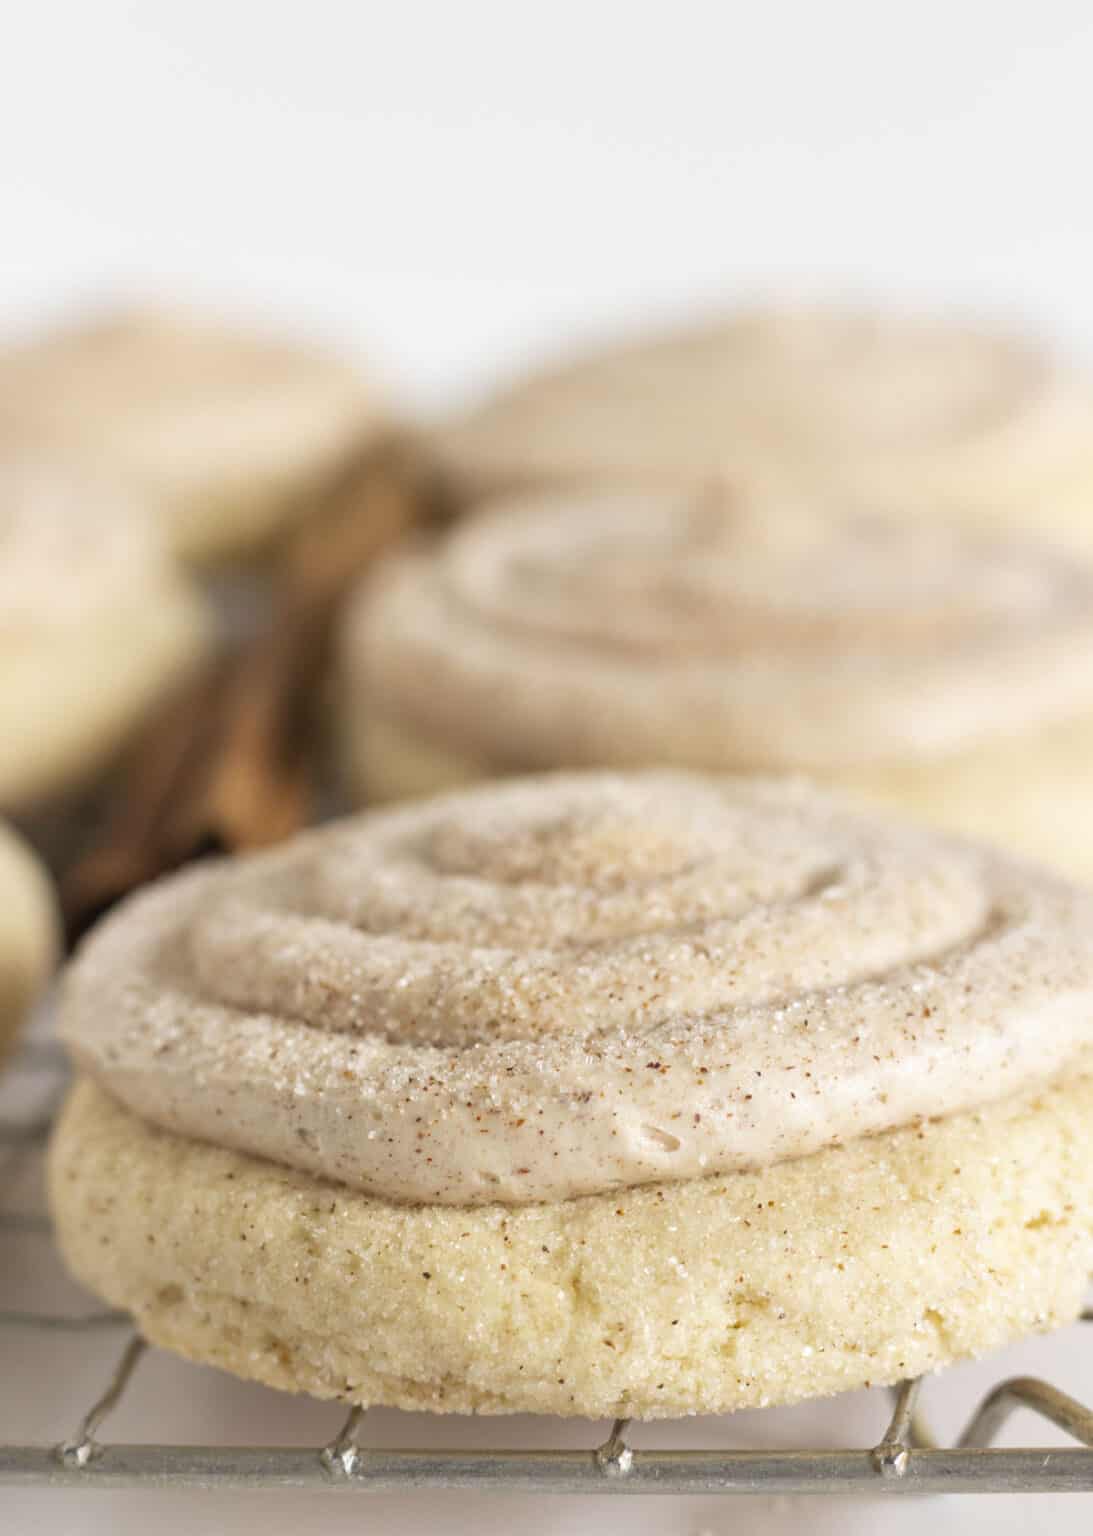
(95, 624)
(645, 1094)
(949, 674)
(228, 435)
(968, 426)
(28, 933)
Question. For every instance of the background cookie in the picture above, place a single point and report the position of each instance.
(95, 625)
(945, 673)
(226, 434)
(970, 427)
(28, 932)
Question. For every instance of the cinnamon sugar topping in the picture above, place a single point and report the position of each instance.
(564, 985)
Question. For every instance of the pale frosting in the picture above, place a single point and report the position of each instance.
(988, 426)
(584, 628)
(565, 985)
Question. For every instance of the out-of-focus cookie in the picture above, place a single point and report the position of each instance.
(977, 428)
(96, 624)
(28, 933)
(228, 435)
(948, 674)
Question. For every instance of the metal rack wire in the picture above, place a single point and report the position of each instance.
(905, 1460)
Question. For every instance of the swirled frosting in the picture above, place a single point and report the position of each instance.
(983, 425)
(581, 629)
(556, 986)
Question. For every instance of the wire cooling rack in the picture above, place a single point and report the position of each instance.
(906, 1459)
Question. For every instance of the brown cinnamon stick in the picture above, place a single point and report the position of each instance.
(231, 761)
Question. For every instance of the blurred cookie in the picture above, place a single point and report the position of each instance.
(983, 429)
(227, 433)
(947, 673)
(28, 932)
(95, 625)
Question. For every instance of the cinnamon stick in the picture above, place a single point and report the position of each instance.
(231, 761)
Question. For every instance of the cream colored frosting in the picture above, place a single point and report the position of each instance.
(586, 629)
(557, 986)
(982, 426)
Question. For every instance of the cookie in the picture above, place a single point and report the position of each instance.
(28, 933)
(972, 427)
(947, 674)
(227, 436)
(590, 1094)
(96, 625)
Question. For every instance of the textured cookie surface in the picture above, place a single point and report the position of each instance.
(861, 1264)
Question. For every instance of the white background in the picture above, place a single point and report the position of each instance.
(449, 186)
(452, 188)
